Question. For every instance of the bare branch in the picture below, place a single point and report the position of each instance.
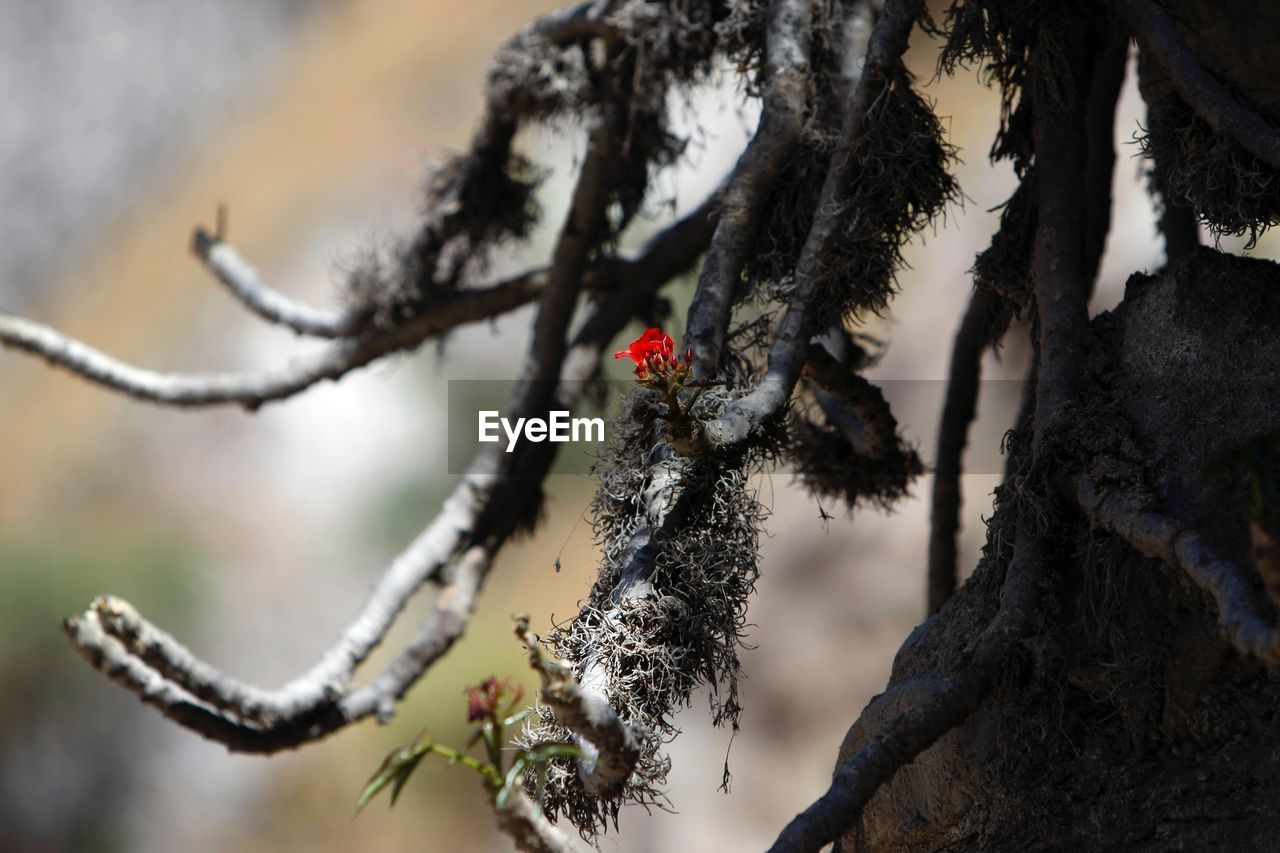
(975, 333)
(255, 388)
(583, 227)
(1100, 123)
(1058, 251)
(1211, 99)
(247, 285)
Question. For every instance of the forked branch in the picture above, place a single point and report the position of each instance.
(455, 552)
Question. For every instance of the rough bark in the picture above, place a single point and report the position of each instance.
(1136, 724)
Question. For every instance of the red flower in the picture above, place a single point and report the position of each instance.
(651, 351)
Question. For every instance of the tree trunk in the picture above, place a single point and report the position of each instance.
(1132, 723)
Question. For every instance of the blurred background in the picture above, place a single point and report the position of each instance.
(254, 538)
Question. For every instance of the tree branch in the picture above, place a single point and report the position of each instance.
(946, 706)
(1058, 251)
(781, 120)
(1061, 291)
(613, 746)
(851, 403)
(252, 389)
(1211, 99)
(1154, 535)
(247, 285)
(150, 663)
(584, 20)
(521, 819)
(790, 347)
(1100, 123)
(953, 434)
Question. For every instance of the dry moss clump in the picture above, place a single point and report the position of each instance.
(1231, 190)
(666, 614)
(480, 199)
(897, 181)
(832, 467)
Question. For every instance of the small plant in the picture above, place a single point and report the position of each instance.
(658, 369)
(491, 703)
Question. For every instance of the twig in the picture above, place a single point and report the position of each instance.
(614, 746)
(247, 285)
(781, 121)
(1212, 100)
(252, 389)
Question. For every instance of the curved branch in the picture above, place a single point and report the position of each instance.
(1164, 538)
(162, 673)
(1205, 94)
(790, 348)
(247, 285)
(252, 389)
(781, 120)
(949, 704)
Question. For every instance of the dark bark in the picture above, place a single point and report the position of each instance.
(1137, 723)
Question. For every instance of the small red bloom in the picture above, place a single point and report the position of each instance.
(650, 351)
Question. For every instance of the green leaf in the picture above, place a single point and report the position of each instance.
(395, 770)
(513, 779)
(544, 752)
